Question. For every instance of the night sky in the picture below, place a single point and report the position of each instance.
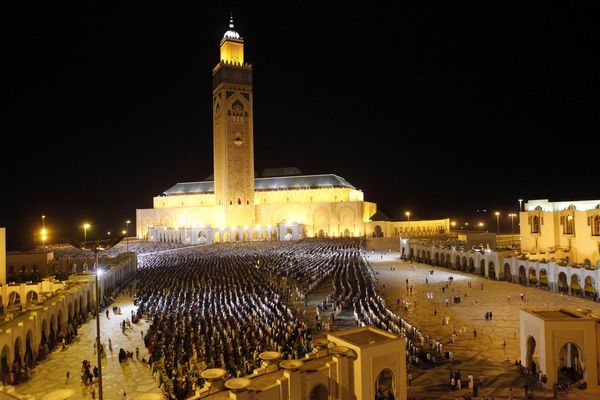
(441, 110)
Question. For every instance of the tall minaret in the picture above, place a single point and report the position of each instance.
(233, 137)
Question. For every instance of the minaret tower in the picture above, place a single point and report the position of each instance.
(233, 137)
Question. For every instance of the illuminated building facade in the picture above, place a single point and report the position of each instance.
(566, 231)
(233, 204)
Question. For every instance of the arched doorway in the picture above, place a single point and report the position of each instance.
(532, 359)
(507, 273)
(384, 385)
(570, 363)
(226, 237)
(319, 392)
(543, 278)
(236, 237)
(463, 266)
(533, 280)
(273, 235)
(254, 236)
(522, 275)
(436, 259)
(245, 236)
(590, 289)
(457, 263)
(482, 268)
(321, 233)
(575, 285)
(563, 286)
(377, 232)
(216, 237)
(5, 370)
(491, 270)
(471, 266)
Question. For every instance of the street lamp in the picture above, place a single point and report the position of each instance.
(520, 205)
(97, 246)
(512, 219)
(407, 215)
(497, 222)
(480, 224)
(43, 231)
(86, 226)
(127, 236)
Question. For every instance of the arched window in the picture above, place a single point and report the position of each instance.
(539, 208)
(572, 207)
(569, 226)
(596, 226)
(535, 224)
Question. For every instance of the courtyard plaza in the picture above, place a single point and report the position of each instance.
(492, 354)
(49, 378)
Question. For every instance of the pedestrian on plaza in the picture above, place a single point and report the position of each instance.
(409, 379)
(110, 345)
(68, 375)
(123, 394)
(526, 390)
(137, 352)
(508, 298)
(522, 296)
(474, 333)
(459, 384)
(107, 316)
(96, 371)
(93, 391)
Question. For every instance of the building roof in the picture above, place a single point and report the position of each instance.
(285, 171)
(379, 216)
(267, 184)
(364, 336)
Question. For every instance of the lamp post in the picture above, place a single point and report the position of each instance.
(96, 247)
(497, 222)
(127, 235)
(408, 219)
(86, 226)
(520, 205)
(512, 219)
(43, 232)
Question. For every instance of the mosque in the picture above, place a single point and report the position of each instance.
(234, 204)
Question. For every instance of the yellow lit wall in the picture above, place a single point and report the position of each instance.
(580, 246)
(184, 200)
(307, 196)
(332, 218)
(232, 51)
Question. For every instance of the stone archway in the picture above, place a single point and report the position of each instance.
(575, 285)
(570, 363)
(321, 233)
(522, 279)
(14, 298)
(32, 297)
(319, 392)
(589, 287)
(532, 276)
(543, 278)
(491, 270)
(482, 268)
(507, 273)
(217, 237)
(463, 266)
(384, 385)
(377, 232)
(562, 284)
(471, 267)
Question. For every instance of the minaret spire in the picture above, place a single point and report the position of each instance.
(231, 33)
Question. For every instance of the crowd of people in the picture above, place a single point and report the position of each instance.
(221, 306)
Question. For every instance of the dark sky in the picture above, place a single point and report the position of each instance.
(443, 110)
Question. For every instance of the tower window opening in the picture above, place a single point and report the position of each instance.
(230, 202)
(239, 201)
(248, 202)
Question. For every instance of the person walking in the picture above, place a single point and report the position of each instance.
(68, 375)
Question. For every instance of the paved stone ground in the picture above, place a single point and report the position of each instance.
(484, 355)
(49, 377)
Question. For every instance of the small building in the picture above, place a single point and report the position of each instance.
(561, 344)
(349, 364)
(28, 266)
